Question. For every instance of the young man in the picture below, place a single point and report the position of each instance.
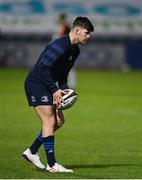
(41, 88)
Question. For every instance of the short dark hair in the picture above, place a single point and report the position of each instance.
(83, 22)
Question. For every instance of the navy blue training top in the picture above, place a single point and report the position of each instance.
(54, 64)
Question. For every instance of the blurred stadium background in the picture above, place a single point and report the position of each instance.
(27, 25)
(109, 81)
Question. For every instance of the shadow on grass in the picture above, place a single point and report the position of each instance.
(78, 166)
(83, 175)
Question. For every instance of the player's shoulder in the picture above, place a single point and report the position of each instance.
(64, 41)
(61, 43)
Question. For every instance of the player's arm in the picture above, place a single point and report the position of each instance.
(63, 82)
(47, 62)
(51, 85)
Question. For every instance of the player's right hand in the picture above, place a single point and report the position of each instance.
(57, 97)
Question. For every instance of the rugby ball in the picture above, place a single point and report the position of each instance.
(69, 99)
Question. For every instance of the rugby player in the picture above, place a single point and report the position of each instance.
(44, 85)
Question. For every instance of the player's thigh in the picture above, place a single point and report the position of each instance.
(46, 113)
(48, 118)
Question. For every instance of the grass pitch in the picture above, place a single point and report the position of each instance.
(102, 136)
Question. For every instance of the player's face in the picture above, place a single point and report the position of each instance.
(84, 35)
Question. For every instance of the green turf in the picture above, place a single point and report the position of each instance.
(102, 136)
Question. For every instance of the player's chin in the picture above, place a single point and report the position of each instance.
(84, 41)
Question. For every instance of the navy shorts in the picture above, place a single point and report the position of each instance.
(37, 95)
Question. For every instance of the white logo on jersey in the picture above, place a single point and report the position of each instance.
(44, 99)
(33, 98)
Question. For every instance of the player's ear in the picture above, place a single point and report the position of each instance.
(77, 31)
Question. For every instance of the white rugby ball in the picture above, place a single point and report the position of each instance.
(69, 99)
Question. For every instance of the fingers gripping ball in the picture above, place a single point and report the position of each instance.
(69, 99)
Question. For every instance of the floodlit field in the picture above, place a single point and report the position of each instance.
(102, 136)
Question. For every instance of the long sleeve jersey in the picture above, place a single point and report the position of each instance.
(54, 64)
